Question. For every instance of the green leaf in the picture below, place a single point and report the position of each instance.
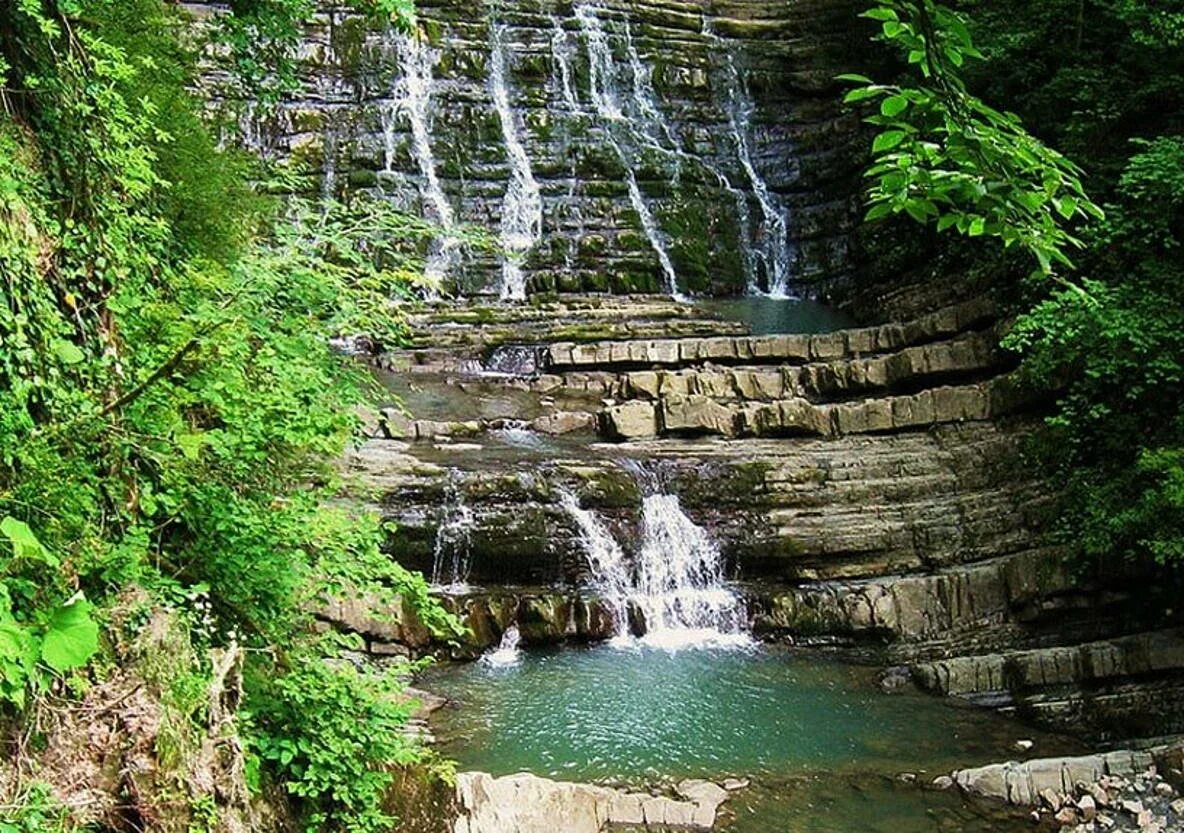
(24, 543)
(72, 637)
(862, 94)
(67, 352)
(887, 140)
(894, 105)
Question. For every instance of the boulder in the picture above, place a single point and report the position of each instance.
(632, 420)
(526, 803)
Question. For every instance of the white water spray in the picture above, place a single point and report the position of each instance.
(611, 574)
(411, 96)
(773, 243)
(631, 119)
(675, 581)
(507, 652)
(522, 208)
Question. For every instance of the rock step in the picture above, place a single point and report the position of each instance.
(1023, 783)
(796, 509)
(913, 366)
(854, 343)
(526, 803)
(703, 415)
(1015, 673)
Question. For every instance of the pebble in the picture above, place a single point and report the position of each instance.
(1088, 807)
(1164, 789)
(943, 782)
(1024, 745)
(733, 784)
(1177, 806)
(1066, 816)
(1132, 807)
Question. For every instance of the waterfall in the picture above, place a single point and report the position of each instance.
(563, 76)
(611, 575)
(630, 118)
(680, 581)
(650, 226)
(522, 208)
(773, 243)
(454, 544)
(506, 653)
(329, 173)
(675, 580)
(411, 95)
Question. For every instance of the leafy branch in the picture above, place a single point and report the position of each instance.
(944, 156)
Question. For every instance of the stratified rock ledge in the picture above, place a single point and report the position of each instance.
(526, 803)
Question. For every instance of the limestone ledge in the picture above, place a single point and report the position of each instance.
(526, 803)
(1024, 782)
(851, 343)
(1016, 672)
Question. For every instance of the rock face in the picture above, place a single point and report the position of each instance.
(866, 487)
(611, 145)
(525, 803)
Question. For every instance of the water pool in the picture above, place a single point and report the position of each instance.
(777, 316)
(818, 739)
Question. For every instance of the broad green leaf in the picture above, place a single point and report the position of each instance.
(887, 140)
(24, 543)
(72, 637)
(894, 105)
(862, 94)
(67, 352)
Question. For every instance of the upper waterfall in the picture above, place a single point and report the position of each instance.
(522, 209)
(606, 149)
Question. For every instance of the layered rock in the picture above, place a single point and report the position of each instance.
(526, 803)
(866, 487)
(617, 145)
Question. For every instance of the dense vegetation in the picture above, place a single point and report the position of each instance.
(171, 411)
(1103, 324)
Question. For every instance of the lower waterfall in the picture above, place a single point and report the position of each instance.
(674, 583)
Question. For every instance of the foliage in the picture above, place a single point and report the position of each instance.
(945, 156)
(1109, 347)
(263, 36)
(322, 726)
(173, 403)
(1117, 437)
(36, 812)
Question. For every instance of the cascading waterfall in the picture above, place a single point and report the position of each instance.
(773, 244)
(629, 122)
(522, 208)
(411, 95)
(611, 574)
(561, 55)
(680, 581)
(675, 580)
(454, 544)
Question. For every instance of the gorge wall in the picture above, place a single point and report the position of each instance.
(620, 145)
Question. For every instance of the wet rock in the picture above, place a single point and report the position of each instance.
(564, 422)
